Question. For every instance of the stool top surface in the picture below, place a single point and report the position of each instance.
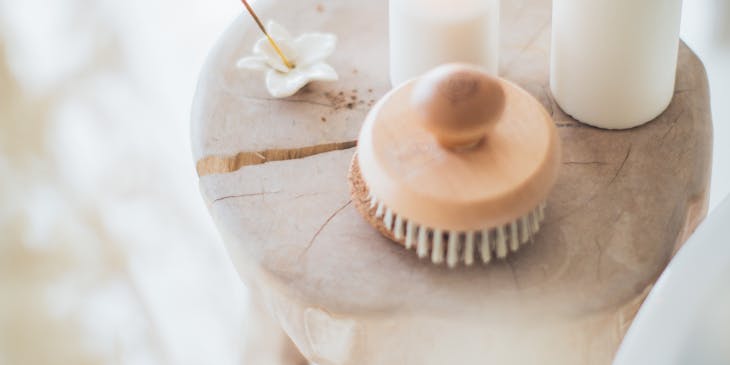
(273, 173)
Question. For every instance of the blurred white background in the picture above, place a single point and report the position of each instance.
(706, 29)
(107, 254)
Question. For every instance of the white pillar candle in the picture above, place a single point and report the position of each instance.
(614, 61)
(428, 33)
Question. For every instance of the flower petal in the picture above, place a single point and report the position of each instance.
(314, 47)
(260, 46)
(263, 47)
(256, 63)
(277, 31)
(320, 72)
(282, 85)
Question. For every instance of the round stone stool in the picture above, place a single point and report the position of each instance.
(273, 173)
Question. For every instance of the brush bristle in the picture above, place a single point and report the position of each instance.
(454, 247)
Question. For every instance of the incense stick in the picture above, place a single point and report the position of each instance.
(271, 40)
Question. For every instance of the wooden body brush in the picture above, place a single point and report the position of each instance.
(457, 164)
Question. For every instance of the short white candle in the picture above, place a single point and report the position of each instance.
(428, 33)
(614, 61)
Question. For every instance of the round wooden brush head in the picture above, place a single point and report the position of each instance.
(459, 150)
(457, 164)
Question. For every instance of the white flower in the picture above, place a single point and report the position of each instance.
(307, 52)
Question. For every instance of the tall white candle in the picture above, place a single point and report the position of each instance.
(428, 33)
(614, 61)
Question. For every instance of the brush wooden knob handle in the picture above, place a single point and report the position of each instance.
(459, 104)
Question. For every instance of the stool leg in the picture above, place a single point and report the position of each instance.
(266, 343)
